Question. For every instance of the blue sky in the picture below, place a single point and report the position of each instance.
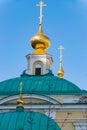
(65, 22)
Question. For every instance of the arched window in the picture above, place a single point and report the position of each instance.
(38, 68)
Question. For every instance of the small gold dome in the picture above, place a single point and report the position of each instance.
(40, 42)
(60, 72)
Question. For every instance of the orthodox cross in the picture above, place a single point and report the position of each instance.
(61, 49)
(41, 4)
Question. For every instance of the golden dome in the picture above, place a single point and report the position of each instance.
(40, 42)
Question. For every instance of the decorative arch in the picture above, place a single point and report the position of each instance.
(38, 68)
(6, 99)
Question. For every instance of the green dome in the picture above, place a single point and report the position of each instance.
(45, 84)
(26, 121)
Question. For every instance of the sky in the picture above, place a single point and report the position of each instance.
(64, 22)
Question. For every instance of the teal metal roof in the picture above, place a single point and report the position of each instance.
(26, 121)
(45, 84)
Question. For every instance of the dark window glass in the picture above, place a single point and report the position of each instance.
(38, 71)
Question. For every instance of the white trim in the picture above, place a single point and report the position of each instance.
(71, 118)
(67, 108)
(80, 125)
(48, 99)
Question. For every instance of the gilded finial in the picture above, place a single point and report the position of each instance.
(41, 4)
(40, 42)
(60, 71)
(20, 100)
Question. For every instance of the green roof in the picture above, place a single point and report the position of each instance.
(44, 84)
(26, 121)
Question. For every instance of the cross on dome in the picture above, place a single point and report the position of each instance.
(40, 42)
(41, 4)
(20, 100)
(61, 71)
(61, 49)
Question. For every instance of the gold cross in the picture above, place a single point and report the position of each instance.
(41, 4)
(61, 49)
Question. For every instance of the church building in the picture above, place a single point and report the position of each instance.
(39, 100)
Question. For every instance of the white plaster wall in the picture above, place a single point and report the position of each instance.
(33, 58)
